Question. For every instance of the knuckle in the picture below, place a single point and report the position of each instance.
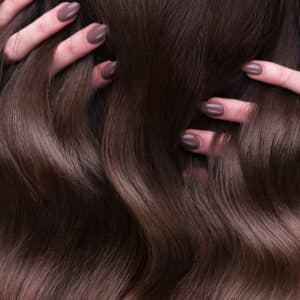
(42, 27)
(11, 51)
(15, 5)
(10, 56)
(245, 111)
(70, 49)
(75, 46)
(82, 35)
(10, 8)
(16, 2)
(283, 76)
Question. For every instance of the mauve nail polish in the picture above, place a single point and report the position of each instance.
(68, 12)
(109, 70)
(252, 68)
(190, 142)
(97, 34)
(213, 109)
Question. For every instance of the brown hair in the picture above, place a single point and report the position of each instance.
(99, 201)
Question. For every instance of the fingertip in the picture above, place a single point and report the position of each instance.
(253, 68)
(97, 34)
(190, 142)
(109, 69)
(213, 108)
(275, 74)
(68, 11)
(103, 74)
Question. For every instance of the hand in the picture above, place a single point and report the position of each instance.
(67, 52)
(233, 110)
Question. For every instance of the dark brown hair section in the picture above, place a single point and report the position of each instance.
(98, 201)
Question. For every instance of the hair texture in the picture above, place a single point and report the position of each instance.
(99, 201)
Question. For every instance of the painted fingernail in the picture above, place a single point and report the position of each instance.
(190, 142)
(252, 68)
(212, 109)
(97, 34)
(68, 12)
(109, 70)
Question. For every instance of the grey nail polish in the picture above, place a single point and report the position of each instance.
(213, 109)
(252, 68)
(97, 34)
(190, 142)
(68, 12)
(109, 70)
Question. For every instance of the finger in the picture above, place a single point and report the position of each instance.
(228, 109)
(9, 9)
(200, 141)
(274, 74)
(22, 42)
(103, 74)
(78, 45)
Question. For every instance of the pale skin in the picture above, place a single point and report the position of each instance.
(69, 51)
(239, 111)
(75, 47)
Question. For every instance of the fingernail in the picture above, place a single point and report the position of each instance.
(109, 70)
(69, 11)
(252, 68)
(212, 109)
(97, 34)
(190, 142)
